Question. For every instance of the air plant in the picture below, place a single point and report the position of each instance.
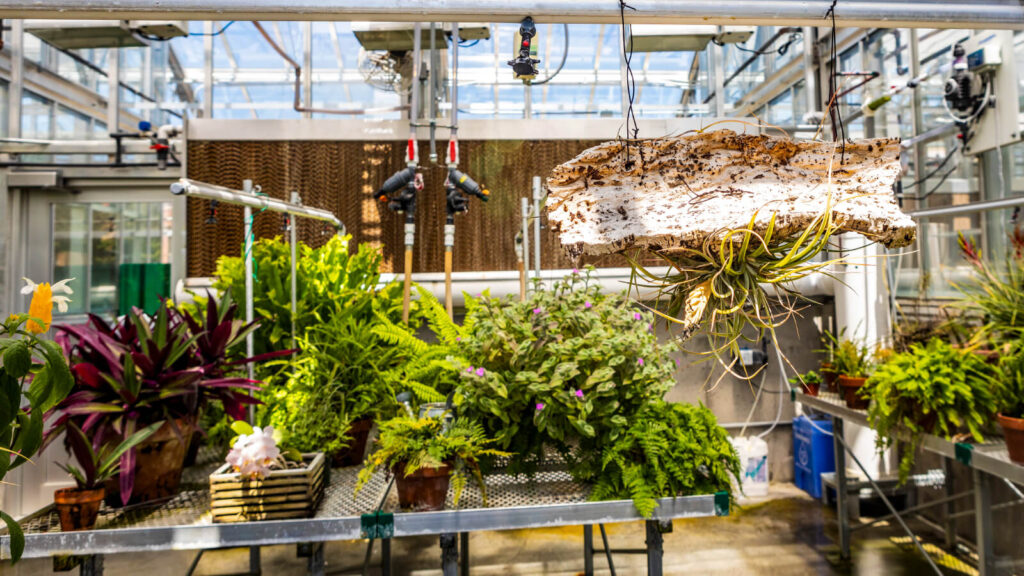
(723, 285)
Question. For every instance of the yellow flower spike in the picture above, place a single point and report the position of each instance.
(41, 309)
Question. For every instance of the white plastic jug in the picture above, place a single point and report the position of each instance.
(753, 454)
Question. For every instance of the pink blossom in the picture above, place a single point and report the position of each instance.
(469, 370)
(587, 304)
(640, 361)
(579, 393)
(537, 311)
(540, 406)
(637, 316)
(575, 271)
(480, 371)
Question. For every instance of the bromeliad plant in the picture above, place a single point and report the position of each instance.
(96, 466)
(27, 358)
(565, 369)
(668, 449)
(408, 444)
(721, 285)
(996, 293)
(931, 389)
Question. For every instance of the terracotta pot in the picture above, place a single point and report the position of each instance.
(829, 376)
(77, 508)
(423, 490)
(1013, 431)
(353, 454)
(928, 422)
(158, 463)
(850, 386)
(810, 388)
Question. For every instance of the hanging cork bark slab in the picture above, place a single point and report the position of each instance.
(677, 192)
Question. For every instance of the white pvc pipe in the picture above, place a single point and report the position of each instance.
(1006, 14)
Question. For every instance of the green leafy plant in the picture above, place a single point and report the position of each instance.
(96, 466)
(409, 444)
(849, 357)
(721, 285)
(808, 380)
(27, 358)
(669, 449)
(565, 369)
(933, 389)
(1011, 376)
(995, 293)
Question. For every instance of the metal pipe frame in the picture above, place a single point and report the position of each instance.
(1006, 14)
(983, 206)
(198, 189)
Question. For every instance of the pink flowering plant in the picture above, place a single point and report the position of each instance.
(562, 370)
(255, 452)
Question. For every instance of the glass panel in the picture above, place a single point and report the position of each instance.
(106, 232)
(71, 251)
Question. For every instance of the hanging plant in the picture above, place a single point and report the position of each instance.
(735, 219)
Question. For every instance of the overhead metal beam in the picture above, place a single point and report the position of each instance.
(860, 13)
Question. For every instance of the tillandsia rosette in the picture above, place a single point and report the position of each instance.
(725, 214)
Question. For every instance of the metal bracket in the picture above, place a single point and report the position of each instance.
(963, 452)
(721, 503)
(377, 525)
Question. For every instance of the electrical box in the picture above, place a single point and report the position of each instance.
(75, 34)
(990, 53)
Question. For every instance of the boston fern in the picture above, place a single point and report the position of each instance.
(563, 369)
(930, 389)
(669, 449)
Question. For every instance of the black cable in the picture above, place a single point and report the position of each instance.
(935, 171)
(627, 56)
(835, 111)
(781, 50)
(937, 184)
(565, 55)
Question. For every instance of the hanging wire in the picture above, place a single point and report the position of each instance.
(217, 33)
(627, 56)
(833, 81)
(781, 50)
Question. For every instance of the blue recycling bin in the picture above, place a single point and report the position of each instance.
(813, 453)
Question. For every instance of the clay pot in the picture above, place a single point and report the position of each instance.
(851, 386)
(829, 376)
(353, 454)
(77, 508)
(810, 388)
(423, 490)
(1013, 431)
(928, 422)
(158, 463)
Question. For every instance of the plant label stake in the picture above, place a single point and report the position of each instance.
(458, 187)
(409, 182)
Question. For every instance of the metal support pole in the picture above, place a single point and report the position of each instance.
(654, 547)
(435, 66)
(410, 238)
(536, 225)
(208, 69)
(385, 557)
(307, 66)
(449, 555)
(524, 207)
(464, 553)
(315, 564)
(293, 240)
(810, 80)
(983, 522)
(449, 243)
(950, 524)
(247, 256)
(842, 508)
(91, 566)
(588, 550)
(114, 90)
(16, 46)
(527, 102)
(254, 561)
(718, 55)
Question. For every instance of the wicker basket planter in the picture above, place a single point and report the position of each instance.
(284, 494)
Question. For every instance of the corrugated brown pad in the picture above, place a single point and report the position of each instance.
(342, 176)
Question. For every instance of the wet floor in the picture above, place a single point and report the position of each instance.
(787, 534)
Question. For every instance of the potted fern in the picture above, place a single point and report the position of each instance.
(78, 507)
(930, 389)
(853, 365)
(810, 383)
(1011, 410)
(426, 455)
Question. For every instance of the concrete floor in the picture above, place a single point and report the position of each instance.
(788, 533)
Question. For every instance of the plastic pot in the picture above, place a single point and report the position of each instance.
(1013, 431)
(423, 490)
(851, 385)
(77, 508)
(158, 464)
(810, 388)
(353, 454)
(829, 376)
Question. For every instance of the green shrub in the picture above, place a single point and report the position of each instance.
(565, 369)
(932, 388)
(669, 449)
(1011, 376)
